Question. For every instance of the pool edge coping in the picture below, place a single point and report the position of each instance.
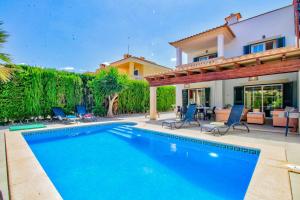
(256, 188)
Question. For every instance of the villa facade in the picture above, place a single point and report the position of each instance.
(254, 62)
(136, 67)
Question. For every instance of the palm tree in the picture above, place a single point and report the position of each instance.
(5, 72)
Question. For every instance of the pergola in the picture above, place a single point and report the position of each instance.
(277, 61)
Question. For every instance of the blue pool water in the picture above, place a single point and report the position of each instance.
(118, 161)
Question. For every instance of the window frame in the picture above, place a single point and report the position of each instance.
(205, 57)
(264, 43)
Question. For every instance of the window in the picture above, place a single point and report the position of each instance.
(257, 48)
(136, 72)
(206, 57)
(263, 46)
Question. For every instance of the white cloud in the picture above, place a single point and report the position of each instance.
(106, 63)
(173, 59)
(68, 68)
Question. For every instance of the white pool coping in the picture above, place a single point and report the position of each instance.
(28, 180)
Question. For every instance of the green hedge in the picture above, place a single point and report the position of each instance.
(135, 99)
(33, 91)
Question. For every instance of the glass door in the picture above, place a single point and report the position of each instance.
(272, 98)
(264, 98)
(253, 97)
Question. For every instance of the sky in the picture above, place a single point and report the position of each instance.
(78, 35)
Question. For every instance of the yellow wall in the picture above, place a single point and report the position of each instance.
(144, 69)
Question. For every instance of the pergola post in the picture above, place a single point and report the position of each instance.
(153, 111)
(298, 98)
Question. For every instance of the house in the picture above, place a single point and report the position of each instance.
(254, 62)
(136, 67)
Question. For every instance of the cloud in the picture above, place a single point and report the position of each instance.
(106, 63)
(68, 68)
(173, 59)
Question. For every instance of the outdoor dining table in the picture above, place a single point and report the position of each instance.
(204, 108)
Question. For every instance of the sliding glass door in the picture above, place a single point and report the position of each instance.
(264, 97)
(199, 96)
(253, 97)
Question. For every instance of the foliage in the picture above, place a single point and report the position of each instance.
(166, 96)
(107, 85)
(135, 99)
(5, 72)
(33, 91)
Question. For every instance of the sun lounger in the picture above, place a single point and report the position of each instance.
(60, 115)
(233, 120)
(188, 118)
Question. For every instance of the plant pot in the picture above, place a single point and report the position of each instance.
(256, 110)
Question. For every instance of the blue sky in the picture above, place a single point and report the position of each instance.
(82, 34)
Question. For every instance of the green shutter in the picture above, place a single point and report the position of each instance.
(281, 42)
(238, 95)
(247, 49)
(185, 99)
(207, 97)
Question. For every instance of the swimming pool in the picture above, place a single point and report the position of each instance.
(119, 161)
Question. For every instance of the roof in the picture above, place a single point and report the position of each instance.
(138, 59)
(222, 27)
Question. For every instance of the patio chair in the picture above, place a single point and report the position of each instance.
(60, 115)
(83, 114)
(188, 118)
(233, 120)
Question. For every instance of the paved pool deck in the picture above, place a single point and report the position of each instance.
(271, 179)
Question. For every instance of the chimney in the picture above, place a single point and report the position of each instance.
(142, 58)
(102, 66)
(233, 18)
(126, 55)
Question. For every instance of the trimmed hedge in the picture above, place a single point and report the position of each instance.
(135, 99)
(33, 91)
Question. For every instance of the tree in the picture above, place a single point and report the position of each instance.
(108, 84)
(5, 72)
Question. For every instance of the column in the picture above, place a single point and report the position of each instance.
(220, 45)
(219, 94)
(131, 69)
(153, 111)
(298, 90)
(179, 89)
(178, 56)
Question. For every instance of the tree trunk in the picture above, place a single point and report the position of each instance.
(110, 105)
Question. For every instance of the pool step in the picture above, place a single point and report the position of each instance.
(121, 134)
(122, 130)
(126, 128)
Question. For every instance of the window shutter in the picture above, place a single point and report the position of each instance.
(247, 49)
(281, 42)
(185, 99)
(207, 97)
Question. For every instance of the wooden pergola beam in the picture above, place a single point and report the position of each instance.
(242, 72)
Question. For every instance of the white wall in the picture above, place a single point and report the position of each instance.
(273, 24)
(216, 93)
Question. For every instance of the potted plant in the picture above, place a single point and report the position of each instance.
(256, 106)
